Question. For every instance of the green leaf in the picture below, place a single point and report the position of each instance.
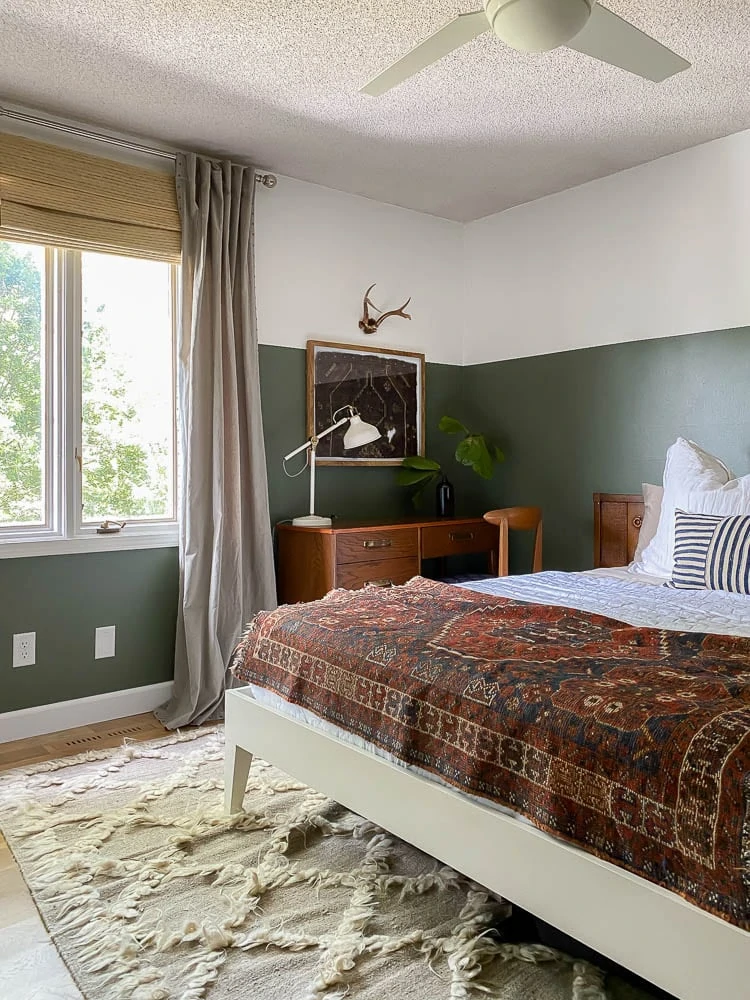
(473, 451)
(484, 466)
(467, 451)
(410, 477)
(499, 455)
(418, 494)
(449, 425)
(420, 462)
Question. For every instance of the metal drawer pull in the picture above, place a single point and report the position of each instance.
(637, 521)
(377, 543)
(383, 582)
(461, 536)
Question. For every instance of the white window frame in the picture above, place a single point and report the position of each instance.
(64, 531)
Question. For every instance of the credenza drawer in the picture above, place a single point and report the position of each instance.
(375, 545)
(377, 572)
(457, 539)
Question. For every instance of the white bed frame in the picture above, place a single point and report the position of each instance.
(644, 928)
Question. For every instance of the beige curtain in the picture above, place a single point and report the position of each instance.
(226, 557)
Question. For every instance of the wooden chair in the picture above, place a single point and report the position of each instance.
(517, 519)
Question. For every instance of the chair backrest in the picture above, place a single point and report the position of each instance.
(517, 519)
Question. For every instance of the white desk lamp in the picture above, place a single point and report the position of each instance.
(358, 433)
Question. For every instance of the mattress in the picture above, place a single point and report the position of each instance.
(619, 595)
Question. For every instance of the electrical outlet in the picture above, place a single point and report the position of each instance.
(104, 642)
(24, 649)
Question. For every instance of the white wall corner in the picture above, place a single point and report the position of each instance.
(41, 720)
(464, 296)
(317, 250)
(650, 252)
(653, 251)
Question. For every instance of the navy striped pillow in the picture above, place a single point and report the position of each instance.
(711, 552)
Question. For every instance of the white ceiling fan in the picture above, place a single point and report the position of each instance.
(538, 26)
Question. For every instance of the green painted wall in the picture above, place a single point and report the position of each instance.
(571, 423)
(349, 492)
(602, 419)
(63, 599)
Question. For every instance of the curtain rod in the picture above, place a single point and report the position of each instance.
(267, 180)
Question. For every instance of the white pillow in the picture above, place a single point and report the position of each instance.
(689, 474)
(652, 498)
(727, 500)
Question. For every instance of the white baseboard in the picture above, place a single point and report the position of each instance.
(43, 719)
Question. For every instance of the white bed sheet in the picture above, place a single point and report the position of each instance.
(617, 593)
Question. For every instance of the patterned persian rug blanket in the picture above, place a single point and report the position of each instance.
(631, 742)
(151, 893)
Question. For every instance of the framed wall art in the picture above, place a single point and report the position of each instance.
(386, 387)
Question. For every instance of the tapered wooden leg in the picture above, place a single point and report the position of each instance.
(237, 763)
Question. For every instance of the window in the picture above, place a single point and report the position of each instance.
(87, 399)
(127, 389)
(23, 386)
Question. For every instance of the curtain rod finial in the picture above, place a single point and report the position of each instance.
(267, 180)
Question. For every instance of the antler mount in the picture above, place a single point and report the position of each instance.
(368, 323)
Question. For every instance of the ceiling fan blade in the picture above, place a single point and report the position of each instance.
(451, 36)
(610, 39)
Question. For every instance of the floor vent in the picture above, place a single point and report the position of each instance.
(104, 736)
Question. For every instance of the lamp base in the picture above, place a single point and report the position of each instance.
(312, 521)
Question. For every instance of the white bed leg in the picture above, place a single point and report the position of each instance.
(237, 763)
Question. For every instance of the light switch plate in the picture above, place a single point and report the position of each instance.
(24, 649)
(104, 642)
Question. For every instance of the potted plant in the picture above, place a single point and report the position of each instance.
(473, 450)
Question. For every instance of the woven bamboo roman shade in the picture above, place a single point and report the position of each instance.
(63, 198)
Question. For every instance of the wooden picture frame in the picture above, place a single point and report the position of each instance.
(386, 386)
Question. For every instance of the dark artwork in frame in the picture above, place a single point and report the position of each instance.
(385, 386)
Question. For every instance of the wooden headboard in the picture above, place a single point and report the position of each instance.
(617, 523)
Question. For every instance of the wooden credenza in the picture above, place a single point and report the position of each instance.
(353, 554)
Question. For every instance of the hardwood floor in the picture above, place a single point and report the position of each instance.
(30, 968)
(98, 736)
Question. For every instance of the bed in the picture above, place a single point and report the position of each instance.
(632, 897)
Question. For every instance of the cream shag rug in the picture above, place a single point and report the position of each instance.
(150, 892)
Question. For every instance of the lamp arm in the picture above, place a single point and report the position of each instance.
(333, 427)
(302, 447)
(316, 437)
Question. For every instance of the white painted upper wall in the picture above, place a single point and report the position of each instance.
(656, 251)
(317, 250)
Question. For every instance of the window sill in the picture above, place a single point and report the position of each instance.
(165, 536)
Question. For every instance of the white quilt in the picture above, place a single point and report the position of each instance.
(628, 598)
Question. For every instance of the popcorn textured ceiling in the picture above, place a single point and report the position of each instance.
(277, 83)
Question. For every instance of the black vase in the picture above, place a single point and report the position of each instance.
(444, 498)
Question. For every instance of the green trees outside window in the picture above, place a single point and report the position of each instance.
(126, 382)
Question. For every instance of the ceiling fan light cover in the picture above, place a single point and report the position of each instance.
(537, 25)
